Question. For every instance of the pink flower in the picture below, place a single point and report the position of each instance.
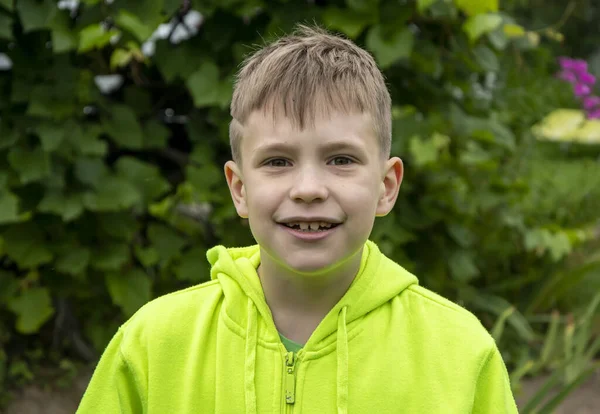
(590, 102)
(565, 62)
(595, 114)
(567, 76)
(580, 66)
(587, 78)
(577, 65)
(581, 90)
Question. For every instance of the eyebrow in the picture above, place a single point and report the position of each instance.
(328, 147)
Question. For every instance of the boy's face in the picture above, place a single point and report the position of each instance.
(331, 174)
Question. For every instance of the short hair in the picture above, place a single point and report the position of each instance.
(308, 73)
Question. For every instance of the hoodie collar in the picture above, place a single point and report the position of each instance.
(378, 280)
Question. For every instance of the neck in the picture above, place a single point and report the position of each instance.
(299, 302)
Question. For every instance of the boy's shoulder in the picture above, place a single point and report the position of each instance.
(177, 308)
(430, 298)
(446, 318)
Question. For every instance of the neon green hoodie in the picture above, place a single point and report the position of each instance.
(388, 346)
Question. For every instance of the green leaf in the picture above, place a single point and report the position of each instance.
(33, 308)
(474, 7)
(427, 152)
(486, 58)
(204, 85)
(462, 235)
(134, 25)
(122, 225)
(462, 266)
(388, 51)
(111, 257)
(94, 36)
(130, 291)
(69, 207)
(26, 245)
(64, 38)
(147, 256)
(6, 27)
(192, 266)
(32, 165)
(112, 194)
(91, 171)
(120, 58)
(362, 5)
(9, 207)
(145, 176)
(480, 24)
(513, 30)
(9, 285)
(156, 134)
(51, 135)
(498, 306)
(8, 136)
(423, 5)
(74, 261)
(348, 21)
(124, 128)
(7, 4)
(177, 61)
(86, 140)
(204, 178)
(148, 11)
(167, 241)
(36, 14)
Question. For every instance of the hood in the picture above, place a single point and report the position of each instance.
(379, 279)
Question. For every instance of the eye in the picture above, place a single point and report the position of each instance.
(341, 160)
(277, 162)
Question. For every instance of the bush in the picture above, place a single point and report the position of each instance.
(114, 129)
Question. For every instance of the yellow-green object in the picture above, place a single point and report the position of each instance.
(388, 346)
(568, 125)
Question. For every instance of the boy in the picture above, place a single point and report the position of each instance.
(314, 319)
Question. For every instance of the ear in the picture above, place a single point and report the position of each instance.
(390, 186)
(235, 182)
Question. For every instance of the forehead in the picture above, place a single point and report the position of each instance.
(353, 129)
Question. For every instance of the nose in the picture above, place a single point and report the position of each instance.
(309, 186)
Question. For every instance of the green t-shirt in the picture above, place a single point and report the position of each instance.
(290, 345)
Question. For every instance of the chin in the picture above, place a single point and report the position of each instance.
(311, 267)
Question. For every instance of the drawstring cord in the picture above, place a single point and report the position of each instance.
(250, 363)
(342, 363)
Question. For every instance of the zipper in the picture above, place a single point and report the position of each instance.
(290, 380)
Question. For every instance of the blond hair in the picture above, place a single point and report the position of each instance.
(306, 74)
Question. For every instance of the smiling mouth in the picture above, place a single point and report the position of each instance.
(311, 227)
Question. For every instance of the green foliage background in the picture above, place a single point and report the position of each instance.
(108, 200)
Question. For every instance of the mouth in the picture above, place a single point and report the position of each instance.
(310, 227)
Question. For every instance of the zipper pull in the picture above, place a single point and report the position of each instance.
(290, 380)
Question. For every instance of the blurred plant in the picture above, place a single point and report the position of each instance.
(568, 353)
(575, 71)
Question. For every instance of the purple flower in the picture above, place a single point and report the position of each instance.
(587, 78)
(581, 90)
(567, 76)
(576, 65)
(565, 62)
(590, 102)
(595, 114)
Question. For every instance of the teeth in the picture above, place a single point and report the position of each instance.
(314, 226)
